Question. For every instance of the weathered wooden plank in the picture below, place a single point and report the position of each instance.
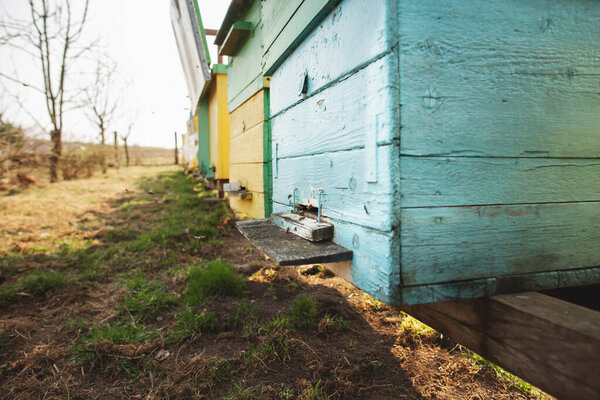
(250, 175)
(486, 287)
(248, 115)
(334, 48)
(255, 85)
(245, 69)
(375, 261)
(551, 343)
(338, 117)
(460, 243)
(553, 120)
(451, 181)
(305, 18)
(286, 248)
(496, 79)
(304, 227)
(247, 147)
(253, 208)
(347, 194)
(275, 15)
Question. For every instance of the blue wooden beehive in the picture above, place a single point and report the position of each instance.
(455, 144)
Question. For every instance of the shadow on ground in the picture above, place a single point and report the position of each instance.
(162, 298)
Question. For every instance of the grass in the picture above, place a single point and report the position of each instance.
(286, 393)
(5, 338)
(275, 340)
(216, 278)
(42, 282)
(242, 393)
(101, 347)
(277, 346)
(93, 273)
(281, 323)
(146, 298)
(191, 324)
(275, 337)
(8, 262)
(304, 312)
(316, 391)
(414, 327)
(375, 304)
(6, 294)
(333, 323)
(122, 334)
(515, 382)
(244, 315)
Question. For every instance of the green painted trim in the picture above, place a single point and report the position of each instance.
(204, 141)
(234, 13)
(238, 34)
(219, 69)
(202, 31)
(267, 156)
(242, 26)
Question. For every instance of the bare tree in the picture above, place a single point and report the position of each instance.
(51, 35)
(124, 139)
(116, 151)
(176, 155)
(100, 102)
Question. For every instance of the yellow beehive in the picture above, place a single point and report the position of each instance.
(218, 118)
(247, 158)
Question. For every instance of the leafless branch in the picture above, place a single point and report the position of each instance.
(49, 36)
(16, 100)
(22, 83)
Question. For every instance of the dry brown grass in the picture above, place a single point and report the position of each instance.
(45, 216)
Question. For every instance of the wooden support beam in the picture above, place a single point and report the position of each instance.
(548, 342)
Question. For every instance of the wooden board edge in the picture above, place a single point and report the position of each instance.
(476, 324)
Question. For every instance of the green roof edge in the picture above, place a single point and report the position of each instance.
(219, 69)
(237, 8)
(202, 31)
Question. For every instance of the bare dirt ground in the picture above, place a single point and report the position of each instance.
(133, 285)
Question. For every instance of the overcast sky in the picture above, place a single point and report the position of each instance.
(137, 34)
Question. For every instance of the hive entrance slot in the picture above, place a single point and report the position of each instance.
(303, 226)
(308, 211)
(236, 189)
